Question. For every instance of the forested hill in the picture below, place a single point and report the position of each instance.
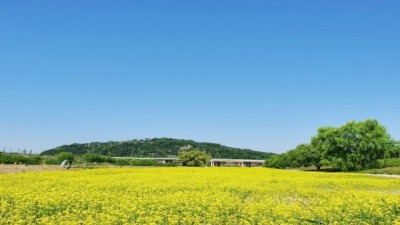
(157, 147)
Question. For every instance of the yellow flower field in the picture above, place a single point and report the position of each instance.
(197, 196)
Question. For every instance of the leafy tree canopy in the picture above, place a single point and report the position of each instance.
(302, 156)
(353, 146)
(278, 161)
(393, 151)
(194, 158)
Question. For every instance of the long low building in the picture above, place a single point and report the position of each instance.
(236, 162)
(214, 162)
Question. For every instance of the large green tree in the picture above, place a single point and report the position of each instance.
(194, 158)
(280, 161)
(354, 146)
(303, 155)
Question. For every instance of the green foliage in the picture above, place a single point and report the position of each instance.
(303, 155)
(194, 158)
(351, 147)
(157, 147)
(278, 161)
(50, 160)
(391, 162)
(170, 164)
(354, 146)
(95, 158)
(65, 156)
(393, 151)
(387, 170)
(141, 162)
(11, 158)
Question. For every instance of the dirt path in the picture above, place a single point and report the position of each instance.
(384, 175)
(27, 168)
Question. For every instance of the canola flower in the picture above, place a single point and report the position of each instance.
(197, 196)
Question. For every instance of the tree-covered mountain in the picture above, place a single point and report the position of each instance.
(157, 147)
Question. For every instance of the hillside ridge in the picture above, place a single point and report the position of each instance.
(157, 147)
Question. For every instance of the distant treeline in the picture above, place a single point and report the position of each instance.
(88, 159)
(157, 147)
(16, 158)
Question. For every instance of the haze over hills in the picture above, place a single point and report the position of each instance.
(157, 147)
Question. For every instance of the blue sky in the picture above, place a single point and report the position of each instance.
(251, 74)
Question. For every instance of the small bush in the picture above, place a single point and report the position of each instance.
(143, 162)
(65, 156)
(94, 158)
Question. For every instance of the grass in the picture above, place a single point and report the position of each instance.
(391, 162)
(314, 169)
(391, 166)
(387, 170)
(392, 170)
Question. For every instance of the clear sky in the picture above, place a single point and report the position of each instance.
(263, 74)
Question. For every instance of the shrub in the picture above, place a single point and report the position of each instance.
(65, 156)
(95, 158)
(143, 162)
